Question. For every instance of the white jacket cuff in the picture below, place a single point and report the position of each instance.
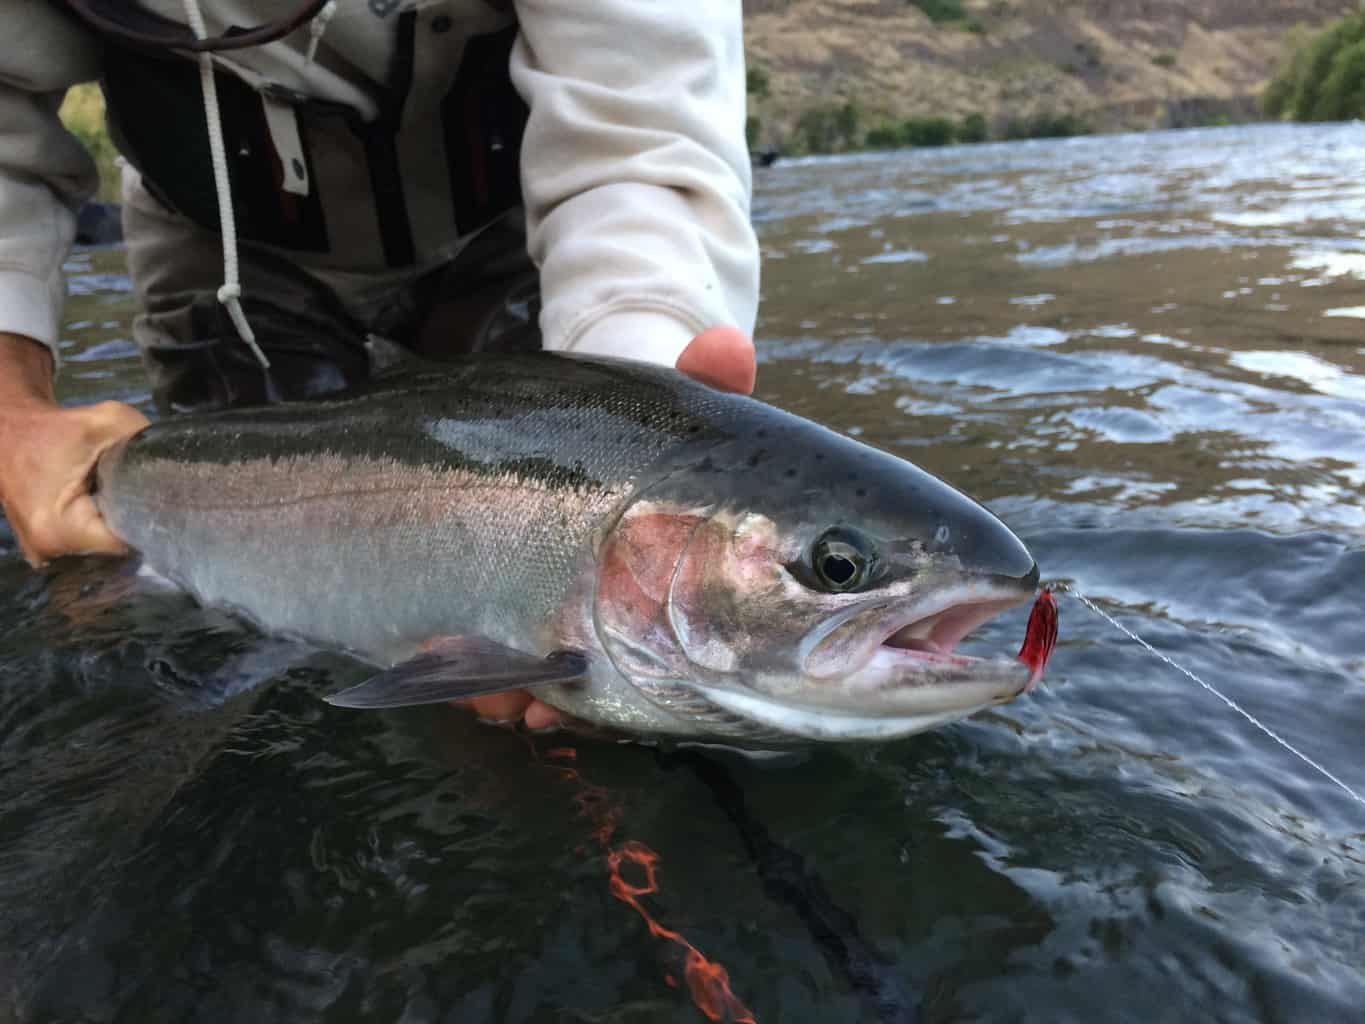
(31, 306)
(644, 335)
(635, 173)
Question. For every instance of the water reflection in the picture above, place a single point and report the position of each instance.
(1144, 352)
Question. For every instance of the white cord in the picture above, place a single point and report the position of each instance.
(318, 26)
(230, 294)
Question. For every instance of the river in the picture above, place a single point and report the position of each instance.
(1145, 352)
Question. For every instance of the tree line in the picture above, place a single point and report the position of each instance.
(1324, 78)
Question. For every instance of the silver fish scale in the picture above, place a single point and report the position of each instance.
(459, 503)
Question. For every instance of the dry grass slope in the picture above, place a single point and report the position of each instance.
(1118, 64)
(1112, 64)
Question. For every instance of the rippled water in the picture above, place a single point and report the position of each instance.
(1146, 352)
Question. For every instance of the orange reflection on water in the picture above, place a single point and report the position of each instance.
(707, 981)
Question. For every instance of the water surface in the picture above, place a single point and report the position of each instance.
(1147, 353)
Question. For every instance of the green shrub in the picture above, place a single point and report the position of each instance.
(1322, 79)
(1278, 94)
(1164, 60)
(972, 129)
(848, 122)
(1322, 54)
(829, 129)
(1342, 95)
(82, 112)
(815, 130)
(927, 131)
(756, 82)
(1047, 126)
(919, 131)
(941, 10)
(751, 129)
(884, 136)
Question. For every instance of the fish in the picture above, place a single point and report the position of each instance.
(651, 556)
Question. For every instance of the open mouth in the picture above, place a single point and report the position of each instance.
(914, 679)
(934, 637)
(937, 635)
(917, 664)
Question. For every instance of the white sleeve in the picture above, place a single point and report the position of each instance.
(45, 173)
(635, 172)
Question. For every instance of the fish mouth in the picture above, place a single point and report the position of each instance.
(915, 635)
(910, 681)
(935, 635)
(918, 664)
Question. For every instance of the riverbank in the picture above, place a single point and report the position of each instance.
(843, 75)
(1016, 68)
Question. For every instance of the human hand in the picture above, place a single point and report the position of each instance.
(47, 454)
(722, 357)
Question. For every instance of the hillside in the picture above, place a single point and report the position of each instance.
(1114, 64)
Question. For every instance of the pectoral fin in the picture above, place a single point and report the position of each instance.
(457, 668)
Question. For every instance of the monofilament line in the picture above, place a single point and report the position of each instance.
(1064, 588)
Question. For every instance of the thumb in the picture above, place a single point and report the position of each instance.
(83, 529)
(722, 357)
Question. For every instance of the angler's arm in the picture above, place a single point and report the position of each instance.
(45, 173)
(635, 173)
(46, 452)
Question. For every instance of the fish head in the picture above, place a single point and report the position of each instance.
(816, 592)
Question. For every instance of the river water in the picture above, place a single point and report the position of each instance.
(1146, 353)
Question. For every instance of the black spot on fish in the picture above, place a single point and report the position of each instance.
(790, 473)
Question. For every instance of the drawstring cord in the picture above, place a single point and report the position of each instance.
(317, 27)
(230, 294)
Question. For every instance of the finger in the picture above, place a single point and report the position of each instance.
(115, 419)
(541, 716)
(48, 499)
(722, 357)
(108, 423)
(74, 528)
(500, 707)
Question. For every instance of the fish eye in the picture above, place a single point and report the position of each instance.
(842, 560)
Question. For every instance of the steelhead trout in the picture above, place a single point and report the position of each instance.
(646, 553)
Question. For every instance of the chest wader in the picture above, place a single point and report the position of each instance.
(293, 270)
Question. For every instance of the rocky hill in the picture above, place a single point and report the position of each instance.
(1114, 64)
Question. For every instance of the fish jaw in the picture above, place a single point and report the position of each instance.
(910, 682)
(819, 723)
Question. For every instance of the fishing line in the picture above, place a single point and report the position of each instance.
(1067, 588)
